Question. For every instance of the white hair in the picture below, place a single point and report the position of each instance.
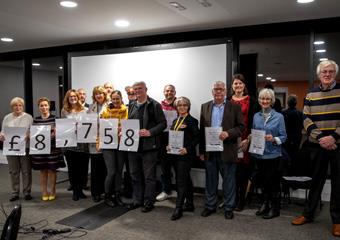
(325, 64)
(267, 92)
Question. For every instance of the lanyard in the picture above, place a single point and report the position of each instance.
(178, 125)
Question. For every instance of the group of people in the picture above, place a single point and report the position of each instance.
(236, 116)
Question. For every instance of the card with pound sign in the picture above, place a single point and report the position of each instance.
(15, 141)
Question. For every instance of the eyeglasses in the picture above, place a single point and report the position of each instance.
(182, 105)
(219, 89)
(130, 94)
(324, 72)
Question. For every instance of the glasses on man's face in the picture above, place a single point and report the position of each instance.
(330, 72)
(130, 94)
(182, 105)
(219, 89)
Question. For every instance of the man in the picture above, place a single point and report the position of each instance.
(130, 93)
(220, 113)
(109, 89)
(322, 123)
(143, 162)
(82, 97)
(170, 114)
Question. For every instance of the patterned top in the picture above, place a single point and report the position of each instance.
(51, 161)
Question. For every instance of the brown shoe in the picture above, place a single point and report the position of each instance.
(336, 230)
(301, 220)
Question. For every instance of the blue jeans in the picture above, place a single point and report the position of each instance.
(214, 166)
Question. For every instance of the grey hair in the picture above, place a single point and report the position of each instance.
(267, 92)
(219, 83)
(184, 100)
(139, 83)
(17, 100)
(325, 64)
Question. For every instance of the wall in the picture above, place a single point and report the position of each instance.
(11, 80)
(299, 88)
(45, 84)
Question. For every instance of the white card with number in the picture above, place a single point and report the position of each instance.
(87, 128)
(40, 139)
(108, 133)
(130, 135)
(15, 141)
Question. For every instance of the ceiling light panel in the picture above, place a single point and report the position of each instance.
(68, 4)
(6, 39)
(305, 1)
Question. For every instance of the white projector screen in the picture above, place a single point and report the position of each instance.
(192, 70)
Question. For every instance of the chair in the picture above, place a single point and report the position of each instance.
(11, 226)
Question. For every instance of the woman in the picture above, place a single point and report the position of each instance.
(182, 162)
(273, 124)
(17, 164)
(98, 170)
(76, 157)
(114, 159)
(243, 172)
(47, 163)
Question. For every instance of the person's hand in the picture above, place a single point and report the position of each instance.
(144, 133)
(269, 138)
(183, 151)
(2, 137)
(328, 143)
(202, 157)
(244, 145)
(223, 135)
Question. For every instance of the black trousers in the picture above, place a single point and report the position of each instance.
(77, 163)
(143, 174)
(183, 180)
(243, 174)
(269, 178)
(321, 158)
(98, 174)
(166, 164)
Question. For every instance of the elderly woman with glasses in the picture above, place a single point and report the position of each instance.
(189, 125)
(267, 164)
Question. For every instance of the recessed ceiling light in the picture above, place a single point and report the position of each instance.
(36, 64)
(319, 42)
(320, 50)
(260, 75)
(305, 1)
(68, 4)
(61, 67)
(273, 80)
(121, 23)
(323, 59)
(6, 39)
(177, 5)
(268, 78)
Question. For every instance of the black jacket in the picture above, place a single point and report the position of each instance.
(153, 120)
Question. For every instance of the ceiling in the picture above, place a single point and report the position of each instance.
(44, 23)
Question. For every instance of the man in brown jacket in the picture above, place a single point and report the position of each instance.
(220, 113)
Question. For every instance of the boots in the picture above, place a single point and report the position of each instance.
(109, 200)
(177, 214)
(274, 209)
(264, 209)
(118, 198)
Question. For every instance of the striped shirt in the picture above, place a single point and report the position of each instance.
(321, 113)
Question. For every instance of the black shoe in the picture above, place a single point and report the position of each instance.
(96, 198)
(14, 198)
(70, 188)
(239, 207)
(75, 196)
(264, 209)
(86, 188)
(119, 199)
(207, 212)
(132, 206)
(81, 195)
(228, 215)
(188, 207)
(28, 197)
(271, 214)
(147, 207)
(177, 214)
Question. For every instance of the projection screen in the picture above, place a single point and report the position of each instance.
(192, 70)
